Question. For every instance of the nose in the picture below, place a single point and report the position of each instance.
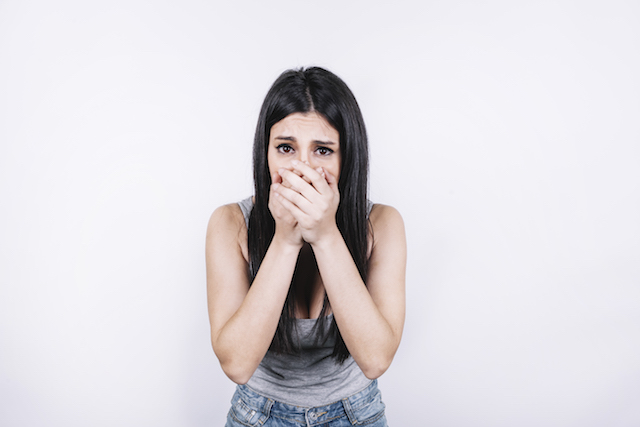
(304, 157)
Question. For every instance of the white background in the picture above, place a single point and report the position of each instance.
(506, 133)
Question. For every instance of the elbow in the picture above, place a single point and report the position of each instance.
(237, 369)
(374, 372)
(237, 373)
(238, 377)
(376, 367)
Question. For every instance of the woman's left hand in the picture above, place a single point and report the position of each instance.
(312, 197)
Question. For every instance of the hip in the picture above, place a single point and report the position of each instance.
(249, 408)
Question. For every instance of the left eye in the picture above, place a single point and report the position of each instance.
(324, 151)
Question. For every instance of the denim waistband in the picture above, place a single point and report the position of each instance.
(257, 408)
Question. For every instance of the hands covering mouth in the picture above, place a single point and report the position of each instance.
(303, 202)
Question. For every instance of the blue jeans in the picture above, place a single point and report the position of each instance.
(249, 408)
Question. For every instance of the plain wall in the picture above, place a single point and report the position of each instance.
(506, 133)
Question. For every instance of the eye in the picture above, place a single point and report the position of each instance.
(284, 148)
(324, 151)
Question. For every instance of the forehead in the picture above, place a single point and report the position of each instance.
(305, 126)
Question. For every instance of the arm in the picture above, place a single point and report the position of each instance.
(370, 318)
(244, 319)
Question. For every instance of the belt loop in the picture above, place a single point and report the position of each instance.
(347, 409)
(267, 407)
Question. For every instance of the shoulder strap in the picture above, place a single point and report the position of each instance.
(245, 206)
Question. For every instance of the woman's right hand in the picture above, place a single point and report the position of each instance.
(286, 225)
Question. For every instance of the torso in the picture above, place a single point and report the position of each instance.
(308, 286)
(307, 283)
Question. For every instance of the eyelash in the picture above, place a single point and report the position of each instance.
(281, 148)
(328, 151)
(323, 151)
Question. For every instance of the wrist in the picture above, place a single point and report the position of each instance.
(328, 240)
(286, 244)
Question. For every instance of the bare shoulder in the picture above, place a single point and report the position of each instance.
(386, 222)
(226, 216)
(385, 212)
(389, 249)
(227, 226)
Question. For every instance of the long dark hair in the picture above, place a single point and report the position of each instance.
(302, 91)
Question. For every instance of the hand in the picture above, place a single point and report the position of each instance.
(286, 224)
(311, 197)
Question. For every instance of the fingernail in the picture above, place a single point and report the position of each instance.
(275, 186)
(294, 162)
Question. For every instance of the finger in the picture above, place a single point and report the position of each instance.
(297, 172)
(283, 212)
(297, 183)
(331, 180)
(317, 180)
(291, 207)
(306, 178)
(295, 197)
(321, 172)
(286, 184)
(279, 212)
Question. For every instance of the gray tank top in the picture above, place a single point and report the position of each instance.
(311, 378)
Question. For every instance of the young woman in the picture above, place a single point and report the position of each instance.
(306, 278)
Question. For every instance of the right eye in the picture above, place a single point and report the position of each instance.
(284, 148)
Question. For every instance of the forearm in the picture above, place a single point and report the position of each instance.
(369, 337)
(243, 341)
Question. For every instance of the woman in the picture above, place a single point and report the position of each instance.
(305, 280)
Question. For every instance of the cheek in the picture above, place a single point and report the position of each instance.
(271, 162)
(275, 163)
(335, 169)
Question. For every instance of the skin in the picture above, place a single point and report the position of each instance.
(304, 161)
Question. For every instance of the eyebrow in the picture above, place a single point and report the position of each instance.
(292, 139)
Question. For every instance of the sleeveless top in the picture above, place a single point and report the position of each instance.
(312, 377)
